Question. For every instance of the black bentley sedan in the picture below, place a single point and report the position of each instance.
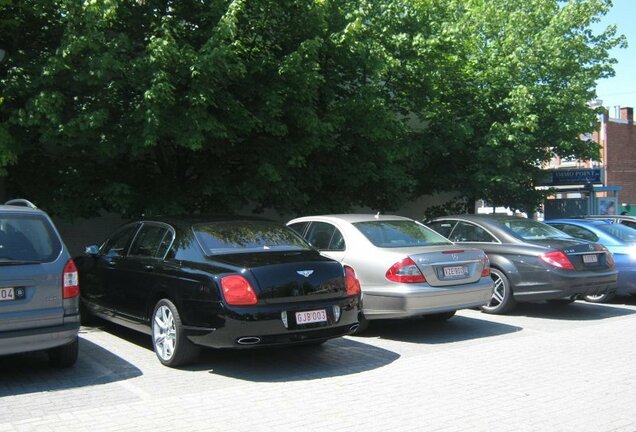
(222, 283)
(530, 260)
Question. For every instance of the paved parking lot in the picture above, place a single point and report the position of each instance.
(541, 368)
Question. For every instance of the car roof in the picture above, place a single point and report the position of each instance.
(20, 205)
(494, 223)
(613, 217)
(19, 209)
(187, 220)
(588, 222)
(481, 218)
(351, 217)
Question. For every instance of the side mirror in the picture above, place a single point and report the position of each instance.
(92, 250)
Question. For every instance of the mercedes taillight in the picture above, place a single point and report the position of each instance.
(557, 259)
(405, 271)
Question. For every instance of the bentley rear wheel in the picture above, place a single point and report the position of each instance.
(168, 338)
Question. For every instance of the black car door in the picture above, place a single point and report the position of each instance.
(141, 270)
(100, 278)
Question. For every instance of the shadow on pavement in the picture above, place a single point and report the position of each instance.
(336, 357)
(456, 329)
(577, 311)
(140, 339)
(30, 372)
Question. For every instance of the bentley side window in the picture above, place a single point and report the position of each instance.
(116, 245)
(150, 241)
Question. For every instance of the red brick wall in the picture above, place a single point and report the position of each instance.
(620, 162)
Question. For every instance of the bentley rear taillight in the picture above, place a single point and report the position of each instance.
(353, 284)
(237, 291)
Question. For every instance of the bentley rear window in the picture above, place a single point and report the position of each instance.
(247, 236)
(399, 233)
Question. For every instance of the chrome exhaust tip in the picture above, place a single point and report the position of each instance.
(250, 340)
(353, 328)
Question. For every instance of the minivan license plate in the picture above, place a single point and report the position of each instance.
(7, 294)
(454, 271)
(590, 259)
(308, 317)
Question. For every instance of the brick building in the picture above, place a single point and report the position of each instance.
(617, 137)
(593, 187)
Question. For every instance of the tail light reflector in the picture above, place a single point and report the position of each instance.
(353, 284)
(238, 291)
(557, 259)
(485, 271)
(70, 281)
(405, 271)
(609, 258)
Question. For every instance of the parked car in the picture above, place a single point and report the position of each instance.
(531, 260)
(405, 269)
(222, 283)
(628, 220)
(619, 239)
(39, 288)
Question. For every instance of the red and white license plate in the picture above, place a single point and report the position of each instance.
(7, 294)
(308, 317)
(454, 271)
(590, 259)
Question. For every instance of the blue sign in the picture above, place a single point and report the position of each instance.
(572, 177)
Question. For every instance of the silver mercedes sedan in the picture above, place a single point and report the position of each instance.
(405, 269)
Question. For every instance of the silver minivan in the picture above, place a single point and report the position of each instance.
(39, 288)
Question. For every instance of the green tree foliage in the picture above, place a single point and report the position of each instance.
(172, 106)
(29, 33)
(510, 83)
(299, 105)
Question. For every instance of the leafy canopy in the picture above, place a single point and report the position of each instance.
(170, 106)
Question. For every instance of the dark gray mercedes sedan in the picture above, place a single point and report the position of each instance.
(531, 260)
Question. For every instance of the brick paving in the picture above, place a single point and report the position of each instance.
(542, 368)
